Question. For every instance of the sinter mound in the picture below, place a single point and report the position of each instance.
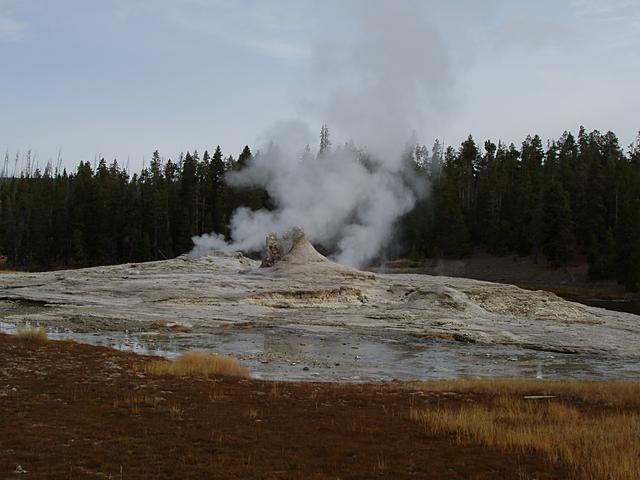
(292, 247)
(300, 290)
(293, 253)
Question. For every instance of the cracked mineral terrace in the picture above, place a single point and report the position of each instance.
(299, 294)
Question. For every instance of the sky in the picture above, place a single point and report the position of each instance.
(122, 78)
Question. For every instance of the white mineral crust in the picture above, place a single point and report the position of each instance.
(304, 290)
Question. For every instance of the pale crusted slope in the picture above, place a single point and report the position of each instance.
(306, 290)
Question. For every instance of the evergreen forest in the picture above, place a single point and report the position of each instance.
(568, 198)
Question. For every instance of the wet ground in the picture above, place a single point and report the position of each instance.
(309, 318)
(283, 354)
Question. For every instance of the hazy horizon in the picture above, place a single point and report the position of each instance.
(120, 79)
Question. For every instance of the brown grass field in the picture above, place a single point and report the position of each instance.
(69, 410)
(595, 443)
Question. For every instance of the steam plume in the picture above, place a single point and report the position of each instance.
(391, 79)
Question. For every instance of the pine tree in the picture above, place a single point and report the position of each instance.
(218, 197)
(244, 158)
(187, 222)
(558, 242)
(325, 142)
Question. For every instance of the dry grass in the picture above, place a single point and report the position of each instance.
(135, 402)
(610, 393)
(198, 364)
(33, 335)
(252, 413)
(176, 412)
(593, 443)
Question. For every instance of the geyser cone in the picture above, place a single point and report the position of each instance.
(292, 253)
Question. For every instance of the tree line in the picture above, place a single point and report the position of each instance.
(102, 215)
(573, 196)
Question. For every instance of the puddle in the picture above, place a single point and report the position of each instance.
(281, 354)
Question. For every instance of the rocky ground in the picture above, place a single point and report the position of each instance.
(306, 292)
(529, 272)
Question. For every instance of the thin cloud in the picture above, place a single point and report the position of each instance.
(535, 33)
(279, 49)
(11, 30)
(620, 19)
(601, 9)
(248, 25)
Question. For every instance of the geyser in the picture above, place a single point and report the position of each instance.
(387, 79)
(340, 201)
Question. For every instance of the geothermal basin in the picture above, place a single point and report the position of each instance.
(304, 317)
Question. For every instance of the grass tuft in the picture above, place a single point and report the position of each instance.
(33, 335)
(198, 364)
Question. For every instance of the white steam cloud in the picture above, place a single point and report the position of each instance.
(391, 80)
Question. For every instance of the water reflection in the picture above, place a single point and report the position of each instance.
(287, 354)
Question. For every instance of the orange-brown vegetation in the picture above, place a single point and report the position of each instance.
(556, 419)
(76, 411)
(610, 393)
(198, 364)
(33, 335)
